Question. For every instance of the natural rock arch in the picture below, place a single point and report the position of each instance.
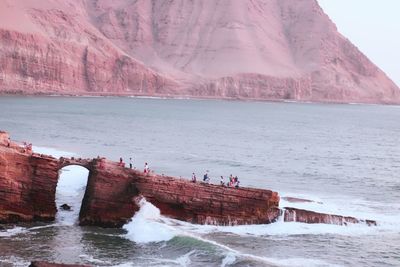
(71, 186)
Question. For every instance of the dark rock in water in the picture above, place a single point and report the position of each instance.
(65, 207)
(370, 222)
(49, 264)
(306, 216)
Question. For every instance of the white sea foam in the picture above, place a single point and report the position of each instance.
(70, 190)
(387, 219)
(146, 226)
(13, 231)
(149, 226)
(182, 261)
(91, 259)
(13, 261)
(229, 259)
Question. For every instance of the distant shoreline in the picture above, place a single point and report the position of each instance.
(188, 97)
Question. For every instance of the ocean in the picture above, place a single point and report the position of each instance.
(346, 158)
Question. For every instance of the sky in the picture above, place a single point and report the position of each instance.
(373, 26)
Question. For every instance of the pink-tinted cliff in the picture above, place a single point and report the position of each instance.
(254, 49)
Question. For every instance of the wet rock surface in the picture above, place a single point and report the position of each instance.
(65, 207)
(306, 216)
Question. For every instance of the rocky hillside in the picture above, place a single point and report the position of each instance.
(257, 49)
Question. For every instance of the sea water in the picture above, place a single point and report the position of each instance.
(346, 158)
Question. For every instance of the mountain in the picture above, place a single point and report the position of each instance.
(256, 49)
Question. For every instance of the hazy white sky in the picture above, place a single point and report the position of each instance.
(373, 26)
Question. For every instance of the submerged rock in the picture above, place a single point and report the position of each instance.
(65, 207)
(306, 216)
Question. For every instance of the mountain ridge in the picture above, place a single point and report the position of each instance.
(248, 49)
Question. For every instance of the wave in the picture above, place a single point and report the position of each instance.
(13, 261)
(13, 231)
(147, 226)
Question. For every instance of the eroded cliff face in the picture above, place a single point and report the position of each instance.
(57, 50)
(27, 184)
(113, 194)
(255, 49)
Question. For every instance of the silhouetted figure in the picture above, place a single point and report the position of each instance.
(130, 163)
(205, 177)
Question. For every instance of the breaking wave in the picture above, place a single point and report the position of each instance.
(148, 225)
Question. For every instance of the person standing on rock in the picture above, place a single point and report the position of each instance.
(205, 177)
(230, 184)
(130, 163)
(236, 182)
(222, 181)
(146, 168)
(194, 177)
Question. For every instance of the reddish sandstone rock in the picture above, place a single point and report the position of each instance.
(28, 183)
(27, 186)
(110, 199)
(248, 49)
(49, 264)
(306, 216)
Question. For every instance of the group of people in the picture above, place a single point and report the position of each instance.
(233, 181)
(122, 164)
(27, 146)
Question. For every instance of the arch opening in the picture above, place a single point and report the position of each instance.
(70, 190)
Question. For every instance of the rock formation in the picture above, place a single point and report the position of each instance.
(254, 49)
(65, 207)
(28, 184)
(306, 216)
(176, 198)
